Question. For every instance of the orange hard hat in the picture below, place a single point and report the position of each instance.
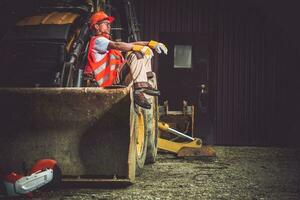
(100, 16)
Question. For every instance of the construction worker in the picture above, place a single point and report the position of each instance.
(107, 65)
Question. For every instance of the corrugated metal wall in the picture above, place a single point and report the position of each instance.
(253, 84)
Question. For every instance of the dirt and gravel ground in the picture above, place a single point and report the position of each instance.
(237, 173)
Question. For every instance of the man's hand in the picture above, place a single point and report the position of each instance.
(159, 47)
(145, 50)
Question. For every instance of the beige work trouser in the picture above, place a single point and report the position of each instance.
(135, 69)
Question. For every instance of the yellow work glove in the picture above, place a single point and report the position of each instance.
(159, 47)
(145, 50)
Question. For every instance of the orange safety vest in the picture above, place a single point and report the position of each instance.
(105, 70)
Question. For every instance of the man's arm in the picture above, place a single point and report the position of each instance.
(143, 43)
(123, 46)
(141, 46)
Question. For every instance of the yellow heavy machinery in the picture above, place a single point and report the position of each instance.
(47, 112)
(182, 143)
(186, 147)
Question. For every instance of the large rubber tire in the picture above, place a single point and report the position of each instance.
(152, 125)
(141, 139)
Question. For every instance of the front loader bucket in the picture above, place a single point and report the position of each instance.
(86, 130)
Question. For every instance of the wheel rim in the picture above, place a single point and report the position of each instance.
(140, 134)
(155, 120)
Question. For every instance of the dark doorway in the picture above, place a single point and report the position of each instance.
(184, 75)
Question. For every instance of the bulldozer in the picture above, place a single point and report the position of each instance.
(48, 109)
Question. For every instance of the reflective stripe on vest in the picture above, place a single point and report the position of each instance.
(105, 70)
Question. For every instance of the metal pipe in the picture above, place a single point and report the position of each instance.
(165, 127)
(79, 78)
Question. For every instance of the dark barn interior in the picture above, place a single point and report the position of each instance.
(246, 53)
(236, 61)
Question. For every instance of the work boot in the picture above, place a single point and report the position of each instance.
(140, 99)
(146, 88)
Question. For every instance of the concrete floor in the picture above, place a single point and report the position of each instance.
(237, 173)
